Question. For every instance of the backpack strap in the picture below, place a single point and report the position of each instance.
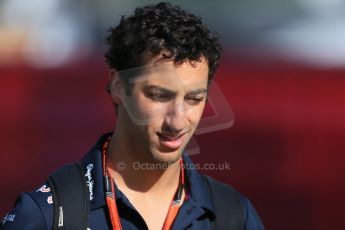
(228, 206)
(70, 197)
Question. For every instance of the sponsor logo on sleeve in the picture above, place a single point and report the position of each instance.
(8, 218)
(89, 180)
(44, 188)
(50, 199)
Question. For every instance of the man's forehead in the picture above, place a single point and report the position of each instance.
(167, 75)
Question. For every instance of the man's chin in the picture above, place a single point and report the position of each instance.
(167, 157)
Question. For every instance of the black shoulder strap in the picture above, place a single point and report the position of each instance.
(228, 206)
(70, 197)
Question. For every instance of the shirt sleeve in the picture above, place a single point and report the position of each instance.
(25, 215)
(252, 220)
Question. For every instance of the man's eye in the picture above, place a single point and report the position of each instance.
(194, 100)
(158, 96)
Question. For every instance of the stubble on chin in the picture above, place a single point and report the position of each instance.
(166, 158)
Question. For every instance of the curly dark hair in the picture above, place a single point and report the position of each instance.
(161, 28)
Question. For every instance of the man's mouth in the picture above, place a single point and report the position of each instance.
(171, 141)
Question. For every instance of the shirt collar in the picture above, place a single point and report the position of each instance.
(197, 186)
(92, 167)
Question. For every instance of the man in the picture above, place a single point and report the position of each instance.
(162, 60)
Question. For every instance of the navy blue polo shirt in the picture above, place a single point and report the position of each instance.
(34, 210)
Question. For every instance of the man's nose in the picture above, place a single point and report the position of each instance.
(176, 118)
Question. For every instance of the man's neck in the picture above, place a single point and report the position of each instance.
(140, 175)
(149, 190)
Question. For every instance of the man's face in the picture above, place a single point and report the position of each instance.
(164, 108)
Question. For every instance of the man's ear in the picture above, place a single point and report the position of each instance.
(115, 86)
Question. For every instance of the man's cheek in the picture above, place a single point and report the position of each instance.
(148, 113)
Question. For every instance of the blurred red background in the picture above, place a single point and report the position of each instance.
(286, 148)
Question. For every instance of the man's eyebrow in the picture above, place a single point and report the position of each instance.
(159, 88)
(197, 91)
(168, 91)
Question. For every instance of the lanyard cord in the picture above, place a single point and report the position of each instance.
(111, 199)
(110, 192)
